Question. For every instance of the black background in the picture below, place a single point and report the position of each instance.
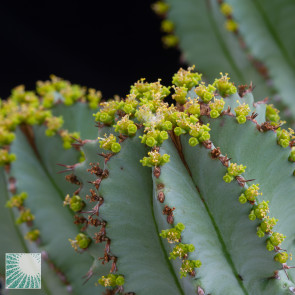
(107, 45)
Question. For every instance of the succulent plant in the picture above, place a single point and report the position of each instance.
(196, 197)
(249, 39)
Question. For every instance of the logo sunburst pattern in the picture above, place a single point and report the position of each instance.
(23, 271)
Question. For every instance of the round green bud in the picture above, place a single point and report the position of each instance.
(242, 199)
(191, 248)
(76, 203)
(131, 129)
(205, 136)
(180, 226)
(104, 117)
(116, 147)
(227, 178)
(276, 239)
(120, 281)
(241, 119)
(193, 141)
(166, 158)
(167, 125)
(128, 108)
(207, 97)
(150, 141)
(269, 246)
(214, 114)
(284, 143)
(164, 135)
(178, 131)
(83, 241)
(197, 263)
(252, 215)
(281, 257)
(260, 233)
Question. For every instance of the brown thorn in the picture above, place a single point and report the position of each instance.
(157, 172)
(161, 197)
(207, 144)
(12, 185)
(224, 160)
(215, 153)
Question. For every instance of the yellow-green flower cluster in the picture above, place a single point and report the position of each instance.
(167, 26)
(68, 138)
(231, 25)
(160, 7)
(129, 105)
(25, 216)
(170, 40)
(206, 93)
(173, 235)
(107, 113)
(216, 107)
(109, 143)
(192, 107)
(111, 280)
(145, 91)
(241, 112)
(285, 136)
(274, 241)
(292, 155)
(250, 194)
(17, 200)
(232, 171)
(259, 211)
(154, 138)
(199, 133)
(20, 96)
(72, 93)
(53, 125)
(32, 235)
(180, 94)
(155, 159)
(81, 241)
(75, 202)
(6, 158)
(282, 257)
(181, 250)
(226, 9)
(126, 126)
(224, 87)
(186, 78)
(188, 266)
(272, 114)
(93, 97)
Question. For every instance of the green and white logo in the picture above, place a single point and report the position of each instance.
(23, 271)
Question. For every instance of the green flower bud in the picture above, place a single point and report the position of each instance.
(150, 142)
(252, 215)
(178, 131)
(83, 241)
(260, 233)
(241, 119)
(131, 129)
(193, 141)
(281, 257)
(116, 147)
(180, 226)
(269, 245)
(242, 199)
(227, 178)
(214, 114)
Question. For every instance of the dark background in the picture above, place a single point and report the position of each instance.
(107, 45)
